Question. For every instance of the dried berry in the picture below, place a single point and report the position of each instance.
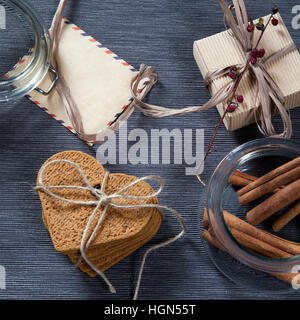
(231, 107)
(255, 53)
(250, 28)
(274, 22)
(240, 98)
(261, 53)
(253, 60)
(275, 10)
(232, 75)
(260, 27)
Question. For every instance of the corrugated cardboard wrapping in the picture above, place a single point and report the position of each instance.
(223, 50)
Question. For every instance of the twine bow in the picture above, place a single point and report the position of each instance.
(104, 201)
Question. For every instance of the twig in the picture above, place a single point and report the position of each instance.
(230, 101)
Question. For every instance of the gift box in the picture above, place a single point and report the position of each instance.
(223, 50)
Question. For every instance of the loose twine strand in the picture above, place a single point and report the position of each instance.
(105, 201)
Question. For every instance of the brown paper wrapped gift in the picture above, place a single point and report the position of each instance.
(223, 50)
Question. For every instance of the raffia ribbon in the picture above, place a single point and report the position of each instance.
(104, 201)
(268, 92)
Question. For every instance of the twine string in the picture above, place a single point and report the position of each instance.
(105, 201)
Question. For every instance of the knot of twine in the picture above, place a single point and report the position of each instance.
(105, 201)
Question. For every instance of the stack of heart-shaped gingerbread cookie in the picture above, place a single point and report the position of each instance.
(122, 231)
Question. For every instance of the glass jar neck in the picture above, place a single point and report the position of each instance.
(25, 76)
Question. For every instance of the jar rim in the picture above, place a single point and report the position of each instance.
(38, 66)
(217, 185)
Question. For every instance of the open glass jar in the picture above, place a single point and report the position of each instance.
(25, 51)
(241, 265)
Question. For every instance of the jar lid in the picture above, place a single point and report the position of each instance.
(25, 49)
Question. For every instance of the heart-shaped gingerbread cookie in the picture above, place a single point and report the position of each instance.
(123, 230)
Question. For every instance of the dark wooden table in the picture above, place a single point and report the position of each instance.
(161, 34)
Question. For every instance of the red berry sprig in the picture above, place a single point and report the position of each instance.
(235, 75)
(260, 25)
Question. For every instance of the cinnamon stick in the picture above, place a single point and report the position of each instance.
(245, 175)
(287, 277)
(271, 175)
(205, 220)
(274, 203)
(286, 217)
(269, 186)
(240, 179)
(234, 222)
(258, 246)
(208, 237)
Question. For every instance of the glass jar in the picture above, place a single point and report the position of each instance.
(25, 50)
(244, 267)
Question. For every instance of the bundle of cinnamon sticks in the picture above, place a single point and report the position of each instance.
(283, 186)
(255, 240)
(283, 183)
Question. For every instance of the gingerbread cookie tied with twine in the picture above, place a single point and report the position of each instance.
(98, 218)
(107, 254)
(66, 221)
